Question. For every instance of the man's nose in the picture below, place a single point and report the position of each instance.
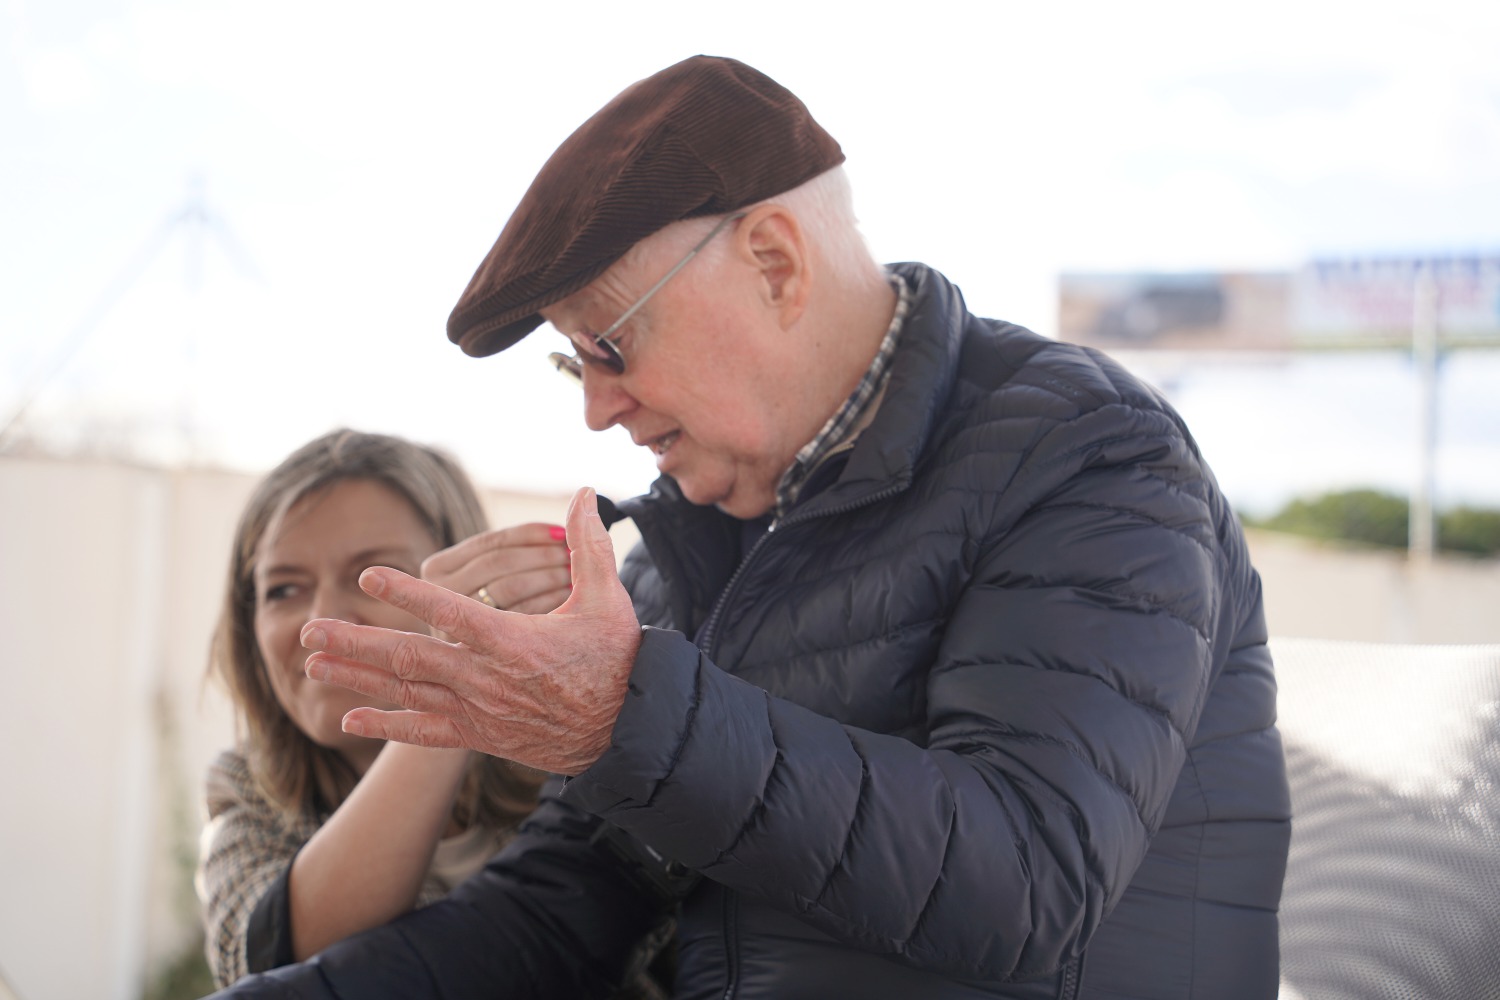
(605, 401)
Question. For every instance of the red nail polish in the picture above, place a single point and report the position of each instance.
(559, 534)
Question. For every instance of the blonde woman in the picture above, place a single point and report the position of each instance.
(314, 834)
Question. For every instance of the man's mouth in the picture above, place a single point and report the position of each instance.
(660, 446)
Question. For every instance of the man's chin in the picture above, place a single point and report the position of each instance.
(734, 502)
(745, 508)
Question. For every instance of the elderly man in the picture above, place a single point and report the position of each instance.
(940, 671)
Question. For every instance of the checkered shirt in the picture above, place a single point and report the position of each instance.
(850, 414)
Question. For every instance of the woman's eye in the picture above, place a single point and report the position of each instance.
(280, 592)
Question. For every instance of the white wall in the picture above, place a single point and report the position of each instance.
(82, 558)
(1337, 591)
(110, 580)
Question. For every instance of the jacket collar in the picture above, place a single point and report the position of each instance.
(922, 375)
(883, 458)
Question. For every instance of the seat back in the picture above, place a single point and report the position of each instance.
(1393, 882)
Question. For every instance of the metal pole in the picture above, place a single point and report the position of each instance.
(1420, 528)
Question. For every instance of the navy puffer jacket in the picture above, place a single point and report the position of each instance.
(988, 713)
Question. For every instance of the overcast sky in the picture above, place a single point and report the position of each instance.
(359, 159)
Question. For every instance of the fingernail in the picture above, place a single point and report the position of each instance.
(559, 534)
(353, 727)
(371, 582)
(313, 637)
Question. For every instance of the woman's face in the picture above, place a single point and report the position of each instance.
(309, 568)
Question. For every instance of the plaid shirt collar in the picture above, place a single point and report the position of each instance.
(851, 416)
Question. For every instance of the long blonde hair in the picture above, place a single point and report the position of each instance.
(292, 771)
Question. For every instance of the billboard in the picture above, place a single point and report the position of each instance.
(1374, 302)
(1360, 303)
(1179, 311)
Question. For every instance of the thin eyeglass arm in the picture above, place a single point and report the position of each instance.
(668, 276)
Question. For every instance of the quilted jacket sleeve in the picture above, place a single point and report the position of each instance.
(1070, 671)
(553, 914)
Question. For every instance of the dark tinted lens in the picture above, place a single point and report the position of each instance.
(611, 357)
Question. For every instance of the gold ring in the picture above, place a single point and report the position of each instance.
(483, 597)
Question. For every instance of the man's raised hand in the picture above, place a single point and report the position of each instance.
(543, 690)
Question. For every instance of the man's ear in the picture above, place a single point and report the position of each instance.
(772, 238)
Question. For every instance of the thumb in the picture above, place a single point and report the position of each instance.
(591, 549)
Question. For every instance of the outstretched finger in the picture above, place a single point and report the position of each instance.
(402, 656)
(382, 685)
(420, 728)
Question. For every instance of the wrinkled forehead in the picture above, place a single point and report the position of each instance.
(622, 282)
(566, 315)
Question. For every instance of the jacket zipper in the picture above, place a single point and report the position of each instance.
(1072, 979)
(707, 641)
(731, 944)
(707, 636)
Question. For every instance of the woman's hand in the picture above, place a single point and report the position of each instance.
(524, 568)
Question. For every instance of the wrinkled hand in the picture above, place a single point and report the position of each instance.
(543, 690)
(524, 568)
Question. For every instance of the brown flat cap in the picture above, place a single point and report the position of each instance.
(703, 137)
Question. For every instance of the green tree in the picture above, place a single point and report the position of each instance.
(1373, 517)
(1367, 516)
(1471, 530)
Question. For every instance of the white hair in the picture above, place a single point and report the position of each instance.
(824, 206)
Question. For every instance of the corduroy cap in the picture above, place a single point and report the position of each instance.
(703, 137)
